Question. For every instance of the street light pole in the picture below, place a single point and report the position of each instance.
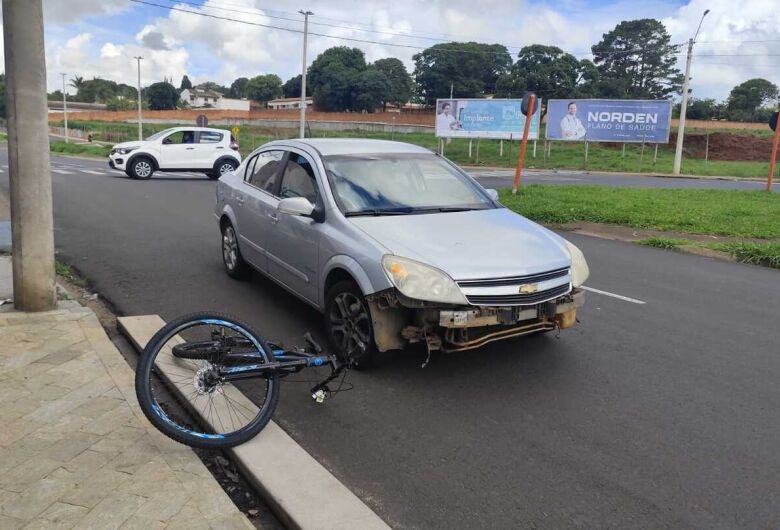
(32, 227)
(302, 132)
(140, 116)
(64, 107)
(684, 102)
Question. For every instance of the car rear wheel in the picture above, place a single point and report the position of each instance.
(141, 168)
(235, 266)
(222, 167)
(349, 325)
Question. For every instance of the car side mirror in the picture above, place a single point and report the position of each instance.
(296, 206)
(493, 194)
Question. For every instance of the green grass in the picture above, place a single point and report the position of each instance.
(562, 155)
(722, 212)
(69, 274)
(663, 242)
(766, 254)
(3, 137)
(80, 149)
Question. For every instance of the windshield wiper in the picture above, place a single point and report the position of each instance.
(446, 209)
(377, 212)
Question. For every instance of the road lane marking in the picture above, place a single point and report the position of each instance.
(94, 172)
(61, 171)
(613, 295)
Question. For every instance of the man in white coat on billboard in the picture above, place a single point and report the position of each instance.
(571, 126)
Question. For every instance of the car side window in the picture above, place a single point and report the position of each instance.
(209, 137)
(180, 137)
(262, 171)
(298, 179)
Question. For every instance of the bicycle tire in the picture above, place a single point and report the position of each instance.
(199, 350)
(159, 418)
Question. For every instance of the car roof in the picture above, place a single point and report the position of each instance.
(350, 146)
(195, 128)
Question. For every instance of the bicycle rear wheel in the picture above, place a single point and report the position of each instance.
(183, 395)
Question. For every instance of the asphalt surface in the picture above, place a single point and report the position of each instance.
(654, 415)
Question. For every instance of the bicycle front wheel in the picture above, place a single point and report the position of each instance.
(180, 391)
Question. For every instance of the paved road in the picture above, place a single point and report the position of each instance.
(504, 178)
(654, 415)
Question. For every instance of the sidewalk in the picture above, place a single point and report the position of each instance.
(75, 448)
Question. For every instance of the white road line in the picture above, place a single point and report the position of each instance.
(94, 172)
(613, 295)
(61, 171)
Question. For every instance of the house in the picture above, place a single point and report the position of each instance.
(199, 98)
(289, 103)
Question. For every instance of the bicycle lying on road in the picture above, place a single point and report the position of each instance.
(197, 358)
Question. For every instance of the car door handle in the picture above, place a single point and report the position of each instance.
(190, 148)
(220, 147)
(273, 217)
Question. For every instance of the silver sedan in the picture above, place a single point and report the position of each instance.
(394, 244)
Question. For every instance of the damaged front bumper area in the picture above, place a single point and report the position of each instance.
(399, 320)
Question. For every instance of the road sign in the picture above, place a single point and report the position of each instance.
(202, 120)
(235, 130)
(773, 121)
(527, 102)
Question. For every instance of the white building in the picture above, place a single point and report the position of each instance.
(289, 103)
(199, 98)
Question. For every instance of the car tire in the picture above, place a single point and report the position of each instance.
(234, 263)
(141, 168)
(221, 167)
(349, 325)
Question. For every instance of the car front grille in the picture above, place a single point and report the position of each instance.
(515, 280)
(519, 299)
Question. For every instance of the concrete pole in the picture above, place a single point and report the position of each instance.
(302, 131)
(65, 107)
(683, 108)
(32, 234)
(140, 115)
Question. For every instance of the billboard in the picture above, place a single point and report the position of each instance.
(484, 118)
(609, 120)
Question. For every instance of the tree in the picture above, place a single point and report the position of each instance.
(471, 68)
(701, 109)
(292, 87)
(211, 85)
(264, 87)
(746, 99)
(77, 82)
(333, 75)
(185, 82)
(371, 90)
(636, 60)
(400, 85)
(119, 103)
(161, 96)
(238, 88)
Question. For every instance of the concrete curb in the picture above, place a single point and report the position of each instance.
(301, 492)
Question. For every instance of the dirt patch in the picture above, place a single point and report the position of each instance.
(627, 233)
(726, 146)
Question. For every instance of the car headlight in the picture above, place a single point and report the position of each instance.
(422, 282)
(125, 150)
(579, 267)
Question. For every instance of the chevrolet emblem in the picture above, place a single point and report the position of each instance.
(528, 288)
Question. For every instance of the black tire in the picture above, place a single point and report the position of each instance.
(141, 168)
(220, 168)
(159, 417)
(355, 314)
(234, 263)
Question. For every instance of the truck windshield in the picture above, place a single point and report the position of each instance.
(387, 184)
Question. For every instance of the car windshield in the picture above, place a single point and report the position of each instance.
(160, 134)
(388, 184)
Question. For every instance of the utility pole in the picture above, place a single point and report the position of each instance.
(302, 132)
(65, 107)
(452, 85)
(684, 102)
(32, 227)
(140, 116)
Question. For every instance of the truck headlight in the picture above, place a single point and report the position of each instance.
(579, 267)
(125, 150)
(422, 282)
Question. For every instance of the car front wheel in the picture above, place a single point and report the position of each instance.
(349, 325)
(235, 266)
(141, 168)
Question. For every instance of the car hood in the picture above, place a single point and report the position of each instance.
(125, 145)
(473, 244)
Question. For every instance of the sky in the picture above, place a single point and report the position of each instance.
(89, 38)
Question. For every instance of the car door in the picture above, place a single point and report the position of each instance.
(255, 205)
(209, 148)
(178, 150)
(293, 241)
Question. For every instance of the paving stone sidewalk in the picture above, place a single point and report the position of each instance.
(75, 448)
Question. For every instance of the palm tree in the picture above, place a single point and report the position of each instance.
(77, 82)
